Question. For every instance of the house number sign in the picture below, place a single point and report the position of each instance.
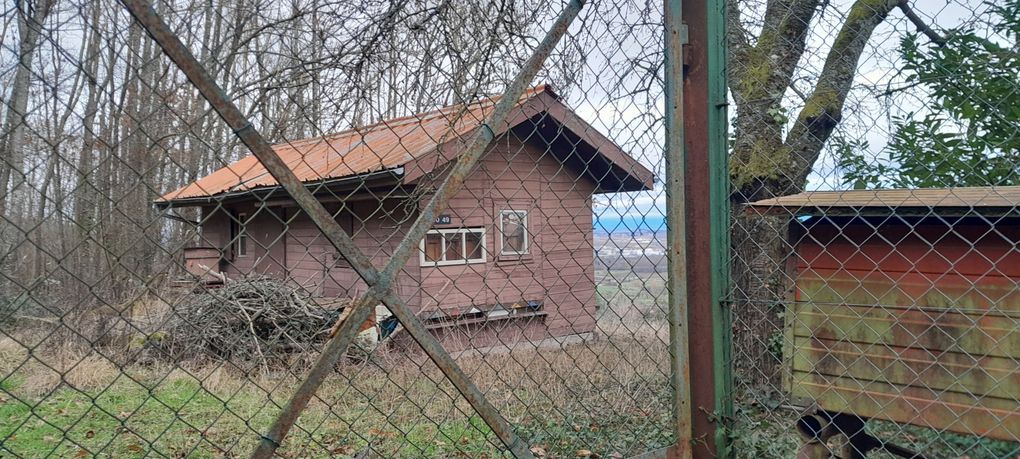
(444, 219)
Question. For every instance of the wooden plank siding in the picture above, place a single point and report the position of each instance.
(267, 243)
(909, 320)
(558, 270)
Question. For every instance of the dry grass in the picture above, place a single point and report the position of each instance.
(44, 372)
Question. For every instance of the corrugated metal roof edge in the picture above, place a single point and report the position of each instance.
(602, 145)
(418, 117)
(899, 211)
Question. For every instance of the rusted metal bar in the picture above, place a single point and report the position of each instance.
(707, 190)
(451, 185)
(324, 365)
(518, 447)
(379, 282)
(197, 75)
(676, 228)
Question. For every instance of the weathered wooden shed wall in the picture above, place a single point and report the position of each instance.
(377, 230)
(559, 268)
(286, 244)
(267, 246)
(909, 319)
(513, 175)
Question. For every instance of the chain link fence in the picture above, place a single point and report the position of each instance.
(438, 229)
(874, 171)
(165, 293)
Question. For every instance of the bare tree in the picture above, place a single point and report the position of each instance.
(30, 19)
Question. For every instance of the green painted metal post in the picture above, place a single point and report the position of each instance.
(719, 198)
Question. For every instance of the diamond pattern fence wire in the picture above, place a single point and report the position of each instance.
(874, 172)
(168, 288)
(163, 292)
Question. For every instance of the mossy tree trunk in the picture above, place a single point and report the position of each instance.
(772, 157)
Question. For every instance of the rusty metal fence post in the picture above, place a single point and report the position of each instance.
(676, 205)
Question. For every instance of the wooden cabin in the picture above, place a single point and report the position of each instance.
(906, 306)
(511, 258)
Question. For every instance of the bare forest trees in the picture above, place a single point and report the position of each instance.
(28, 21)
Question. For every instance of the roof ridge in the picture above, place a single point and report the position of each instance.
(420, 117)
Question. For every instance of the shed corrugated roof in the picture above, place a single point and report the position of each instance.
(394, 143)
(979, 199)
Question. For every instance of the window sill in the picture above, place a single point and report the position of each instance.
(443, 264)
(482, 320)
(507, 260)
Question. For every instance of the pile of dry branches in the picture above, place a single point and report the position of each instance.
(258, 320)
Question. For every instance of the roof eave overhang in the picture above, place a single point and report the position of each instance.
(885, 211)
(329, 186)
(629, 184)
(636, 177)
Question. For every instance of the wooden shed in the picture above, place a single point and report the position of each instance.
(906, 306)
(512, 257)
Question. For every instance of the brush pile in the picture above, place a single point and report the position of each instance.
(257, 320)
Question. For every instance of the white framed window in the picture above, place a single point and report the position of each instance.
(242, 235)
(513, 231)
(456, 246)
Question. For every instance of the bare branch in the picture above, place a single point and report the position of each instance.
(920, 24)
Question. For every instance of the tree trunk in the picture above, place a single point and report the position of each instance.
(11, 138)
(760, 252)
(84, 196)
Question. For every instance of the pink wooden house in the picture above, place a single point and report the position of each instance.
(511, 258)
